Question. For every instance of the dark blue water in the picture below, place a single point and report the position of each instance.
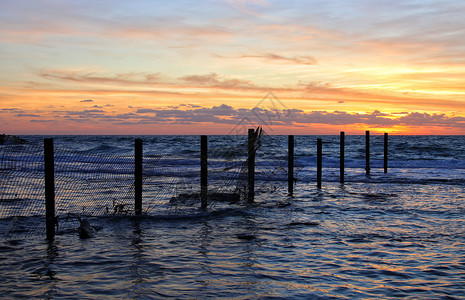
(394, 235)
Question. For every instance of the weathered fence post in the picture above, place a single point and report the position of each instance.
(203, 171)
(49, 169)
(341, 157)
(251, 165)
(367, 152)
(138, 177)
(385, 152)
(290, 165)
(319, 163)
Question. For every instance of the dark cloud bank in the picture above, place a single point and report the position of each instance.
(225, 114)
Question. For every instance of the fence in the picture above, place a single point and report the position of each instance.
(77, 184)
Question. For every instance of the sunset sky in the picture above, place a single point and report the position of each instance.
(213, 67)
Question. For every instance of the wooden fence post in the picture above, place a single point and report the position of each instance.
(367, 152)
(203, 171)
(138, 177)
(290, 165)
(251, 165)
(341, 157)
(319, 162)
(385, 152)
(49, 169)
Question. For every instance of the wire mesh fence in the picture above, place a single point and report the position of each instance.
(89, 185)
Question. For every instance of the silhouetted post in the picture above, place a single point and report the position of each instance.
(341, 157)
(385, 152)
(49, 169)
(138, 177)
(319, 164)
(367, 152)
(203, 170)
(290, 165)
(251, 165)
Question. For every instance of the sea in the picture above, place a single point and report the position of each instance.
(399, 234)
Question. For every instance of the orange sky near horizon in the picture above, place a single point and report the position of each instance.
(306, 67)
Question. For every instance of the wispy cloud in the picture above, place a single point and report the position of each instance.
(131, 78)
(215, 81)
(27, 115)
(250, 7)
(423, 94)
(12, 110)
(276, 58)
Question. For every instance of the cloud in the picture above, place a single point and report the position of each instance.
(198, 88)
(130, 78)
(43, 121)
(212, 80)
(154, 80)
(417, 118)
(226, 115)
(275, 58)
(181, 85)
(211, 84)
(146, 111)
(190, 105)
(88, 115)
(249, 7)
(12, 110)
(216, 81)
(27, 115)
(102, 22)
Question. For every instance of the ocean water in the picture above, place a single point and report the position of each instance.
(394, 235)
